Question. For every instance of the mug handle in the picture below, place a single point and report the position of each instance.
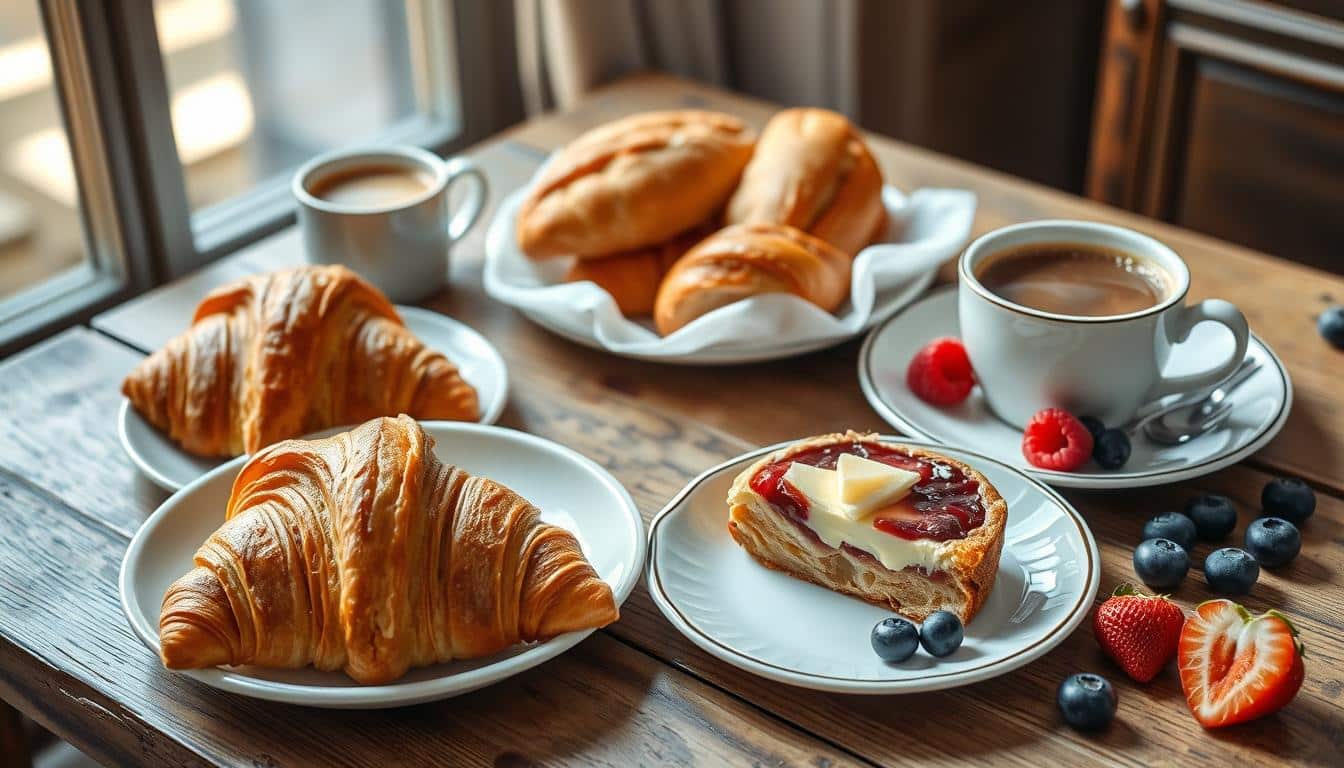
(477, 190)
(1219, 311)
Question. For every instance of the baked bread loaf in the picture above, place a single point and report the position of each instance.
(364, 553)
(746, 260)
(632, 278)
(283, 354)
(633, 183)
(811, 170)
(945, 537)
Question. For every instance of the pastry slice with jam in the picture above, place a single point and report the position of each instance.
(898, 526)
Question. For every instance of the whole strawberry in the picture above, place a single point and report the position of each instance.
(1139, 632)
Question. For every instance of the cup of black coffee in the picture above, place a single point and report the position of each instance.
(1082, 316)
(385, 214)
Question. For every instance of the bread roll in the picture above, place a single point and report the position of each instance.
(747, 260)
(636, 182)
(811, 170)
(632, 278)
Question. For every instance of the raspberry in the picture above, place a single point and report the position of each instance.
(940, 373)
(1054, 439)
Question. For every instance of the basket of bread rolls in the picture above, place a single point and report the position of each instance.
(688, 236)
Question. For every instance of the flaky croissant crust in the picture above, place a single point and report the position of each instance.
(363, 552)
(279, 355)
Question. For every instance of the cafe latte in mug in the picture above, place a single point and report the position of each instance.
(385, 214)
(1081, 316)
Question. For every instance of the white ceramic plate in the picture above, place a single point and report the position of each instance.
(170, 467)
(789, 630)
(571, 491)
(1261, 404)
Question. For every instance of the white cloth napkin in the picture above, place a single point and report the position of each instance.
(927, 228)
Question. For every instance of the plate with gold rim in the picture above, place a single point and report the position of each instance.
(773, 625)
(168, 466)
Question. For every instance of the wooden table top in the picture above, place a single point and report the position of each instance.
(638, 692)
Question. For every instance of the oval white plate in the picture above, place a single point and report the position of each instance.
(571, 491)
(170, 467)
(788, 630)
(1261, 404)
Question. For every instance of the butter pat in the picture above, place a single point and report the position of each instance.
(866, 485)
(820, 486)
(856, 488)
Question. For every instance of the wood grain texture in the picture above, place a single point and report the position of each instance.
(71, 663)
(639, 692)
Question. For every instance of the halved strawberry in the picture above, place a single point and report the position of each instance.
(1236, 667)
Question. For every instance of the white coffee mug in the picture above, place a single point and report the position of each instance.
(1027, 359)
(401, 246)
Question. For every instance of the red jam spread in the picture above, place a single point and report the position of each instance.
(943, 505)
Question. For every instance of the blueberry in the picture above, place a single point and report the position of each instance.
(1086, 701)
(941, 633)
(895, 639)
(1161, 563)
(1230, 571)
(1093, 426)
(1214, 516)
(1273, 541)
(1171, 525)
(1288, 498)
(1111, 449)
(1331, 326)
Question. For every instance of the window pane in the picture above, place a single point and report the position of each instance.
(40, 231)
(259, 86)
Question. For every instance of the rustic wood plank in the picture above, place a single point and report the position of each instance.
(58, 426)
(82, 674)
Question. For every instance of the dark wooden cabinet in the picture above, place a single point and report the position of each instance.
(1226, 116)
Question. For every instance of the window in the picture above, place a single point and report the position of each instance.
(39, 205)
(143, 138)
(258, 87)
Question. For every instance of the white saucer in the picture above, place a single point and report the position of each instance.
(1261, 405)
(571, 491)
(795, 632)
(170, 467)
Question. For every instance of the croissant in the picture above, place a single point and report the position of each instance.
(633, 183)
(811, 170)
(280, 355)
(363, 552)
(632, 278)
(746, 260)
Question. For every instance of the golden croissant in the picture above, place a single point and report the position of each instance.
(363, 552)
(283, 354)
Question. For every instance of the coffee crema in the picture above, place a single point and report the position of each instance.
(373, 186)
(1075, 279)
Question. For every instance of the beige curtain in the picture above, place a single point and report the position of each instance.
(790, 51)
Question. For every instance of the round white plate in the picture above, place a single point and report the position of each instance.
(1261, 404)
(169, 467)
(795, 632)
(571, 491)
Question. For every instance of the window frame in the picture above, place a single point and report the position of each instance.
(109, 77)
